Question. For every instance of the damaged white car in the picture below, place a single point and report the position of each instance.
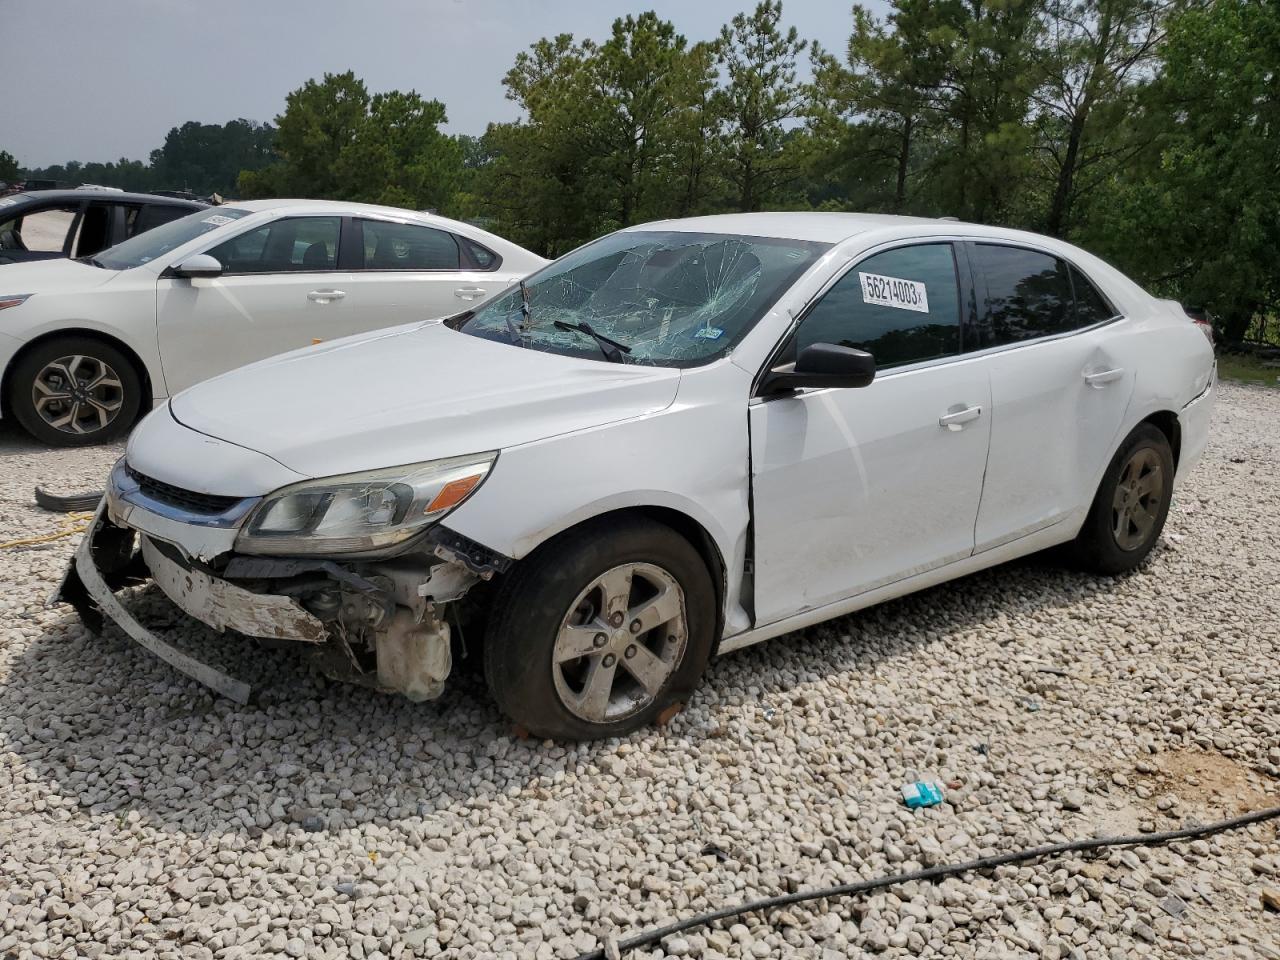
(678, 440)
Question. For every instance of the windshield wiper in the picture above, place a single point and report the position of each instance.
(612, 349)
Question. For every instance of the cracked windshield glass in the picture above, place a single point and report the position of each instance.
(665, 298)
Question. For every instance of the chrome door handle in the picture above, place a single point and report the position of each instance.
(956, 419)
(469, 293)
(324, 296)
(1103, 377)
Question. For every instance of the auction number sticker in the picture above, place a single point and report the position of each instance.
(218, 221)
(7, 201)
(894, 292)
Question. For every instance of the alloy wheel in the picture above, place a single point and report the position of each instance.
(620, 643)
(77, 394)
(1135, 507)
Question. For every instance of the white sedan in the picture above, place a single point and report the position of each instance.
(678, 440)
(85, 345)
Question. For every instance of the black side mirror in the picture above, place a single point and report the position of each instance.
(822, 365)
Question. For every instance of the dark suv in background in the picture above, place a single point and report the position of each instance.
(47, 224)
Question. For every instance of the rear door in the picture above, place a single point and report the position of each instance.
(280, 290)
(854, 489)
(404, 271)
(1062, 374)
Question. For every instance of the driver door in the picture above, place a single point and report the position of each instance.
(854, 489)
(279, 290)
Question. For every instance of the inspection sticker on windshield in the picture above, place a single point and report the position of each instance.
(708, 333)
(217, 220)
(893, 292)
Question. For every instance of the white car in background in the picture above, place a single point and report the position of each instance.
(678, 440)
(86, 345)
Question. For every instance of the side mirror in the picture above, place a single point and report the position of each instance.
(822, 365)
(200, 265)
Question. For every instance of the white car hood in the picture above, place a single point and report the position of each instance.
(413, 394)
(51, 276)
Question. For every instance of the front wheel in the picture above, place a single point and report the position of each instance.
(1131, 504)
(74, 391)
(600, 631)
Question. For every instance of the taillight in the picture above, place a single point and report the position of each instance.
(1201, 319)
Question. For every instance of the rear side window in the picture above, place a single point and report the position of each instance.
(901, 306)
(482, 257)
(407, 246)
(1091, 306)
(1028, 293)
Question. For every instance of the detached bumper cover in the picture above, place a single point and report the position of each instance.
(213, 601)
(85, 586)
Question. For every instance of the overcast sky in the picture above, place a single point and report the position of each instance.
(104, 79)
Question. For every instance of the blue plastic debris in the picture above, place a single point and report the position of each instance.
(922, 793)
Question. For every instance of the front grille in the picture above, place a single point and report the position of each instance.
(188, 500)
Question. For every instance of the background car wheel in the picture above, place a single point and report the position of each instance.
(1131, 504)
(598, 632)
(75, 391)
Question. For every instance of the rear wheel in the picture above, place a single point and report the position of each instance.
(601, 631)
(1131, 504)
(74, 391)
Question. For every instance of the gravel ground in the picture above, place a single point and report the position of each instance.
(143, 817)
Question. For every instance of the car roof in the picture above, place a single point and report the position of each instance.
(334, 207)
(116, 196)
(802, 225)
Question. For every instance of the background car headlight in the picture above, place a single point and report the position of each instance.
(361, 511)
(13, 300)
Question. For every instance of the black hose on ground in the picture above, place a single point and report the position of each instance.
(69, 503)
(651, 937)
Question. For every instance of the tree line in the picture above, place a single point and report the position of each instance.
(1147, 131)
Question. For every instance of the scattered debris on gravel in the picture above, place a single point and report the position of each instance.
(141, 816)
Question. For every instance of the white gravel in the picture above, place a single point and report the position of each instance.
(140, 816)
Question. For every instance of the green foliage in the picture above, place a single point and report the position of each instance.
(207, 158)
(760, 95)
(8, 166)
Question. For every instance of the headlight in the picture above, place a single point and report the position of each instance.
(13, 300)
(361, 511)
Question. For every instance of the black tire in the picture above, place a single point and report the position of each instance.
(539, 594)
(21, 384)
(1097, 547)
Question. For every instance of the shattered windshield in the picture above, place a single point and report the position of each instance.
(668, 298)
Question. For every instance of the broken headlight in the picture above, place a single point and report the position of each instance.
(361, 511)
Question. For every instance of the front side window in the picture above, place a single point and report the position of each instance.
(1028, 293)
(145, 247)
(407, 246)
(671, 298)
(292, 244)
(901, 306)
(44, 231)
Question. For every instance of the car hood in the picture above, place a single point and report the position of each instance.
(412, 394)
(51, 276)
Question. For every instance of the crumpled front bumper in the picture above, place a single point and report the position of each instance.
(106, 561)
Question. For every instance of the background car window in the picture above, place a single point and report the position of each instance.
(1091, 306)
(153, 215)
(93, 233)
(282, 246)
(901, 306)
(407, 246)
(1028, 293)
(44, 231)
(483, 258)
